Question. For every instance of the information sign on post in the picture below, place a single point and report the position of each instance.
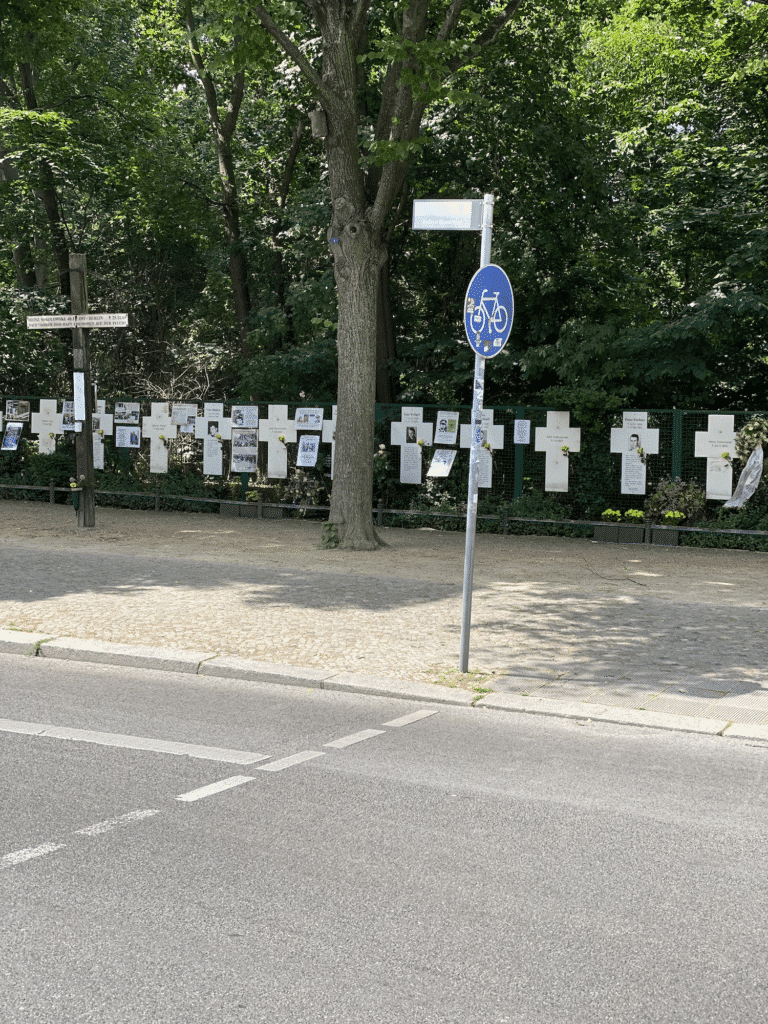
(489, 308)
(447, 215)
(488, 312)
(78, 321)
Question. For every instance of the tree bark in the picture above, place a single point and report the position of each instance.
(361, 205)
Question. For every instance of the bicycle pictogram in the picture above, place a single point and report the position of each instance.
(488, 312)
(489, 307)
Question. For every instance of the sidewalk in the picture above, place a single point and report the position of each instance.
(557, 622)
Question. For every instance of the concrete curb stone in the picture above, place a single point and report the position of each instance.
(601, 712)
(70, 649)
(380, 686)
(737, 731)
(228, 667)
(13, 641)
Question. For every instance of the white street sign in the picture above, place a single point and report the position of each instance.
(447, 215)
(47, 323)
(102, 320)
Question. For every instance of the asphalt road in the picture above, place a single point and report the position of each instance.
(467, 866)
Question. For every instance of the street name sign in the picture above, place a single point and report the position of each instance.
(47, 323)
(489, 309)
(102, 320)
(69, 320)
(447, 215)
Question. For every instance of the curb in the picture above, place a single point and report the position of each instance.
(212, 665)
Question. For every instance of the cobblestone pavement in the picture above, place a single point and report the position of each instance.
(680, 630)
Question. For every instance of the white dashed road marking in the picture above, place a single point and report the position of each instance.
(407, 719)
(355, 737)
(109, 739)
(21, 855)
(106, 826)
(215, 787)
(187, 749)
(288, 762)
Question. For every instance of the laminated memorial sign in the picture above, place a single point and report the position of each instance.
(16, 409)
(127, 412)
(309, 445)
(446, 428)
(245, 449)
(127, 437)
(11, 436)
(442, 461)
(245, 415)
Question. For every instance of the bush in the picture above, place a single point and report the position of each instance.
(675, 495)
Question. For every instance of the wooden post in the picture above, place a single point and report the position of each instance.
(86, 512)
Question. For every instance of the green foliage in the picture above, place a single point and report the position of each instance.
(676, 495)
(752, 434)
(329, 535)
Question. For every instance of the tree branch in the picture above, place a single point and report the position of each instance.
(451, 19)
(291, 49)
(489, 35)
(359, 13)
(233, 108)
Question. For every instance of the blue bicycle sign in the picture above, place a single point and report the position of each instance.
(489, 308)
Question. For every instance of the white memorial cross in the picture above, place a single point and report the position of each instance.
(492, 434)
(718, 438)
(329, 434)
(552, 439)
(102, 427)
(213, 412)
(407, 433)
(634, 433)
(159, 428)
(46, 424)
(275, 426)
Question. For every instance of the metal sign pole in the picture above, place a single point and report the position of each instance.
(86, 511)
(474, 455)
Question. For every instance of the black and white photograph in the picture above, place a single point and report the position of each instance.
(243, 463)
(245, 450)
(245, 438)
(11, 436)
(15, 409)
(127, 412)
(245, 415)
(410, 435)
(213, 428)
(68, 415)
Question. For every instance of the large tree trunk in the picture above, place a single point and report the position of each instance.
(359, 255)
